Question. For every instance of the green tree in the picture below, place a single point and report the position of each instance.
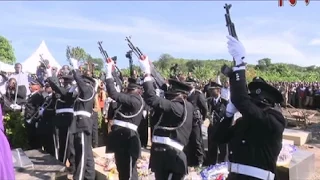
(97, 62)
(78, 53)
(207, 69)
(6, 51)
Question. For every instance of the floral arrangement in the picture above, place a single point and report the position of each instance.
(285, 154)
(215, 172)
(109, 166)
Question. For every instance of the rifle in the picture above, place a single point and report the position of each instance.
(44, 62)
(232, 32)
(116, 77)
(129, 56)
(230, 24)
(160, 82)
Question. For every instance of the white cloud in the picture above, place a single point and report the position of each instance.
(315, 42)
(160, 37)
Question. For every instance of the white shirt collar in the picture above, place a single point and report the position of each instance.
(216, 99)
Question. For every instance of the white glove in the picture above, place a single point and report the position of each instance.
(110, 68)
(236, 50)
(41, 110)
(144, 113)
(231, 109)
(159, 92)
(15, 107)
(145, 64)
(74, 63)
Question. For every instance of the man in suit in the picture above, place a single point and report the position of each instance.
(217, 107)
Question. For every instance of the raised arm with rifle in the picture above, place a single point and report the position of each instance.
(117, 77)
(161, 83)
(42, 70)
(232, 32)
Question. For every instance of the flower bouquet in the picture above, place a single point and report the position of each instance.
(285, 155)
(215, 172)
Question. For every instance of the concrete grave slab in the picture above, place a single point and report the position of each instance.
(299, 137)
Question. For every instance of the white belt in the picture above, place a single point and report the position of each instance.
(64, 110)
(167, 141)
(82, 113)
(125, 124)
(251, 171)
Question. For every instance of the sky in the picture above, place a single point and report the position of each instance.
(183, 29)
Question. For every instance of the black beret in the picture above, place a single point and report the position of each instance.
(133, 84)
(260, 87)
(178, 86)
(214, 85)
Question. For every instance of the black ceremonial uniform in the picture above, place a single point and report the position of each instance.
(63, 116)
(195, 148)
(81, 127)
(47, 120)
(143, 128)
(256, 139)
(35, 100)
(217, 108)
(123, 139)
(171, 132)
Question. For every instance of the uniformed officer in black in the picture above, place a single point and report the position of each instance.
(47, 116)
(195, 148)
(34, 101)
(255, 140)
(171, 132)
(63, 114)
(81, 125)
(123, 139)
(217, 107)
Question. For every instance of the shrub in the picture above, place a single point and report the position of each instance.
(15, 130)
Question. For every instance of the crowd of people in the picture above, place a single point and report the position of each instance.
(61, 116)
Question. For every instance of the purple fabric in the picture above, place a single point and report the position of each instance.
(6, 164)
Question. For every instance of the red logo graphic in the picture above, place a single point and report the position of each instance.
(293, 2)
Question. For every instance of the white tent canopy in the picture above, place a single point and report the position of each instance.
(6, 67)
(30, 64)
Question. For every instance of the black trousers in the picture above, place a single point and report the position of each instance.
(84, 162)
(95, 133)
(126, 157)
(216, 152)
(60, 138)
(143, 132)
(168, 163)
(47, 138)
(195, 147)
(34, 137)
(71, 153)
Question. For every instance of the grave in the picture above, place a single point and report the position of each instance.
(299, 137)
(44, 167)
(302, 166)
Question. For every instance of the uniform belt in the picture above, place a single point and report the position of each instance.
(125, 124)
(167, 141)
(82, 113)
(251, 171)
(64, 110)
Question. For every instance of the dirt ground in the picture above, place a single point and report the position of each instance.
(314, 144)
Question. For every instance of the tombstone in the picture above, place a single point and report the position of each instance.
(302, 166)
(20, 159)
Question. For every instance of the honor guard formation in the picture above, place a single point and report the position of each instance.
(63, 107)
